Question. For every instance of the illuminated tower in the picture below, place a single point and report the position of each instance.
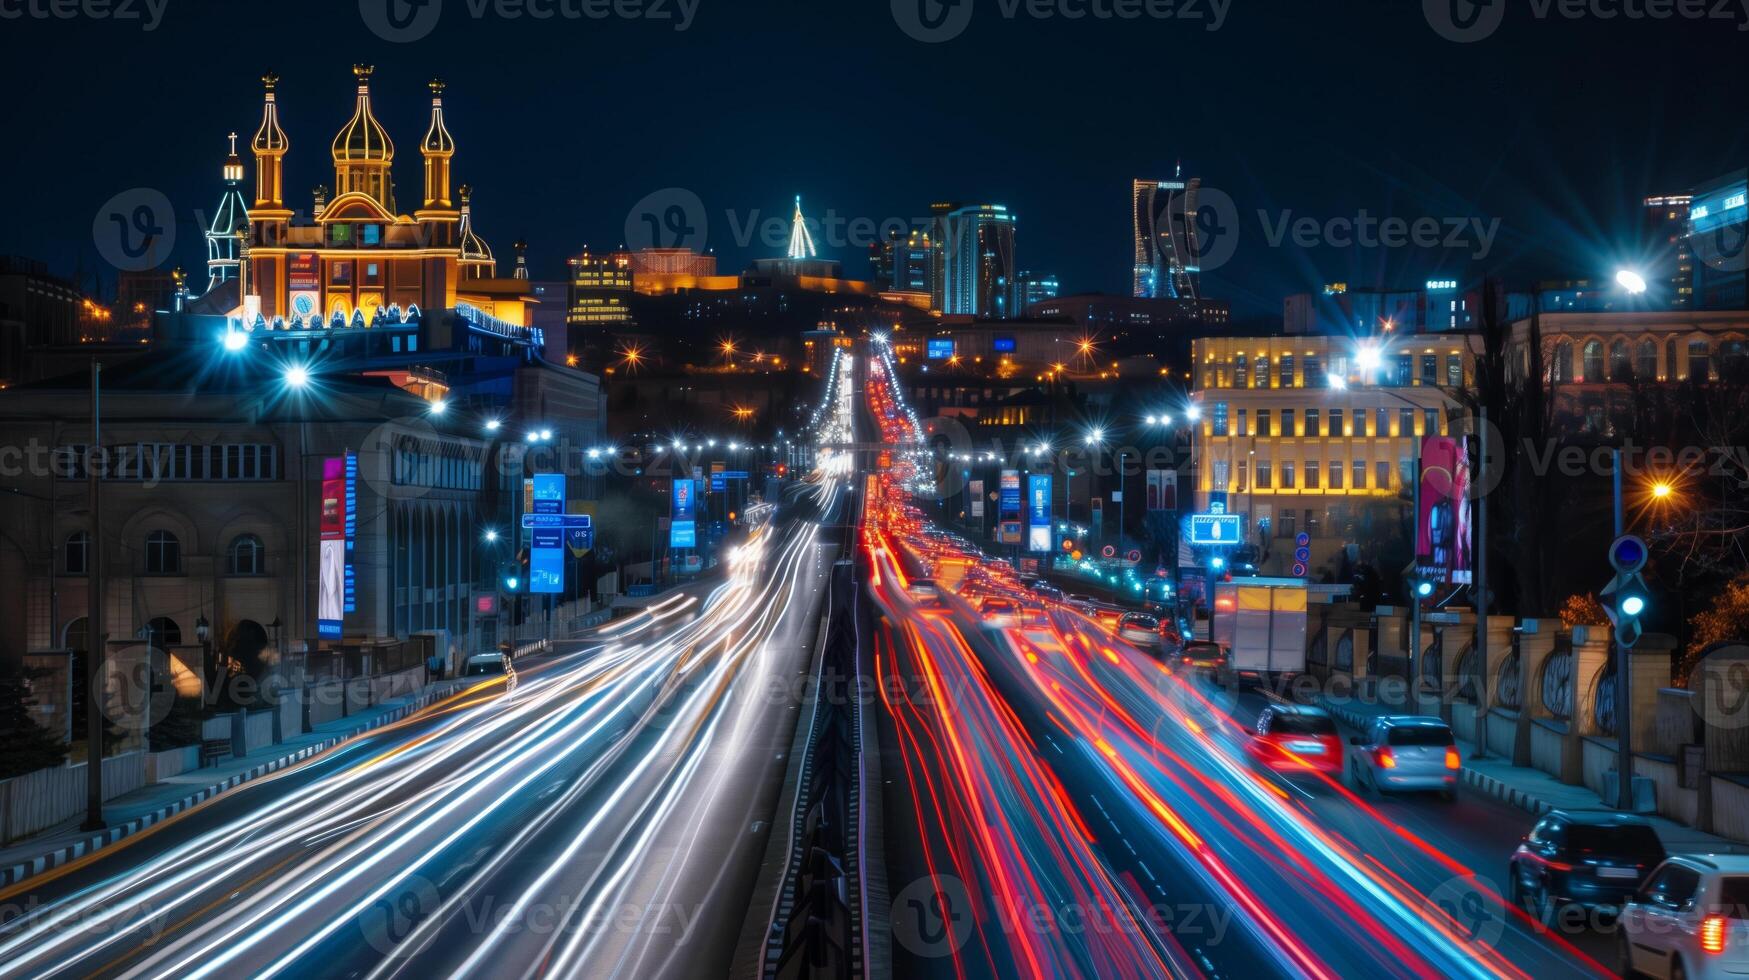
(363, 152)
(1164, 216)
(437, 149)
(221, 236)
(801, 243)
(270, 215)
(476, 256)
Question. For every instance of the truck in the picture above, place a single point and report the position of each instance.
(1261, 623)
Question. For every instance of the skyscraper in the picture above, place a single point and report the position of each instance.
(1672, 256)
(907, 262)
(977, 245)
(1163, 213)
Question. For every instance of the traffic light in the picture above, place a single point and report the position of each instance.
(1626, 598)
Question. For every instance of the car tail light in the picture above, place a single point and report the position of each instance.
(1451, 759)
(1712, 934)
(1385, 758)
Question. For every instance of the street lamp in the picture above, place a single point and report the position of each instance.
(297, 376)
(235, 340)
(1631, 281)
(1369, 358)
(439, 406)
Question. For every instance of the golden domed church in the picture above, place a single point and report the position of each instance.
(360, 255)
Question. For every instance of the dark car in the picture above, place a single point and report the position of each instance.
(1203, 657)
(1593, 859)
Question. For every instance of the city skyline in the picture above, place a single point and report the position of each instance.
(564, 181)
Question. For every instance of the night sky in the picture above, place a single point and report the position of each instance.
(1556, 127)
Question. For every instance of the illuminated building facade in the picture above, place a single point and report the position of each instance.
(1718, 231)
(601, 290)
(978, 260)
(360, 256)
(1163, 215)
(223, 244)
(1673, 257)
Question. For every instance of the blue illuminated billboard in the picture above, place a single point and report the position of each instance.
(1004, 345)
(546, 561)
(1038, 512)
(940, 348)
(1215, 530)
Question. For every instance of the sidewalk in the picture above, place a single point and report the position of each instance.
(1533, 790)
(133, 812)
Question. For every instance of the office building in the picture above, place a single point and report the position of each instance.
(1670, 262)
(1034, 287)
(1718, 231)
(978, 260)
(1163, 217)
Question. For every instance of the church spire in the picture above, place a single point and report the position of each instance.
(437, 149)
(362, 149)
(270, 146)
(222, 251)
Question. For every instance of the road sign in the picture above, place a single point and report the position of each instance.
(1303, 540)
(1302, 555)
(1299, 570)
(562, 521)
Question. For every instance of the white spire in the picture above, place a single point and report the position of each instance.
(801, 243)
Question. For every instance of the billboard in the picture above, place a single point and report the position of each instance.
(682, 527)
(1442, 526)
(976, 491)
(1216, 530)
(303, 273)
(331, 560)
(1004, 345)
(1162, 489)
(1008, 507)
(1038, 512)
(545, 496)
(939, 348)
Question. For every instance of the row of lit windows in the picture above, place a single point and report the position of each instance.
(438, 472)
(1309, 475)
(1317, 423)
(160, 461)
(1623, 362)
(245, 555)
(1404, 370)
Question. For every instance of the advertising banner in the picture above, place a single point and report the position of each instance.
(682, 528)
(1216, 530)
(1038, 511)
(1008, 507)
(546, 561)
(976, 492)
(331, 573)
(1442, 527)
(1162, 490)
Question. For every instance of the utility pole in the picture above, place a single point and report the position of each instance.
(95, 637)
(1624, 753)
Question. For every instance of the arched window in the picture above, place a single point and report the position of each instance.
(1699, 361)
(163, 554)
(76, 554)
(1593, 366)
(1562, 369)
(163, 632)
(1646, 363)
(1621, 368)
(1733, 360)
(246, 556)
(1670, 372)
(75, 635)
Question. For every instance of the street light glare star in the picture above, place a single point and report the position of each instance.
(297, 376)
(235, 340)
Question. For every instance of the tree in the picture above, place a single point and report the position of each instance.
(25, 746)
(1726, 620)
(1583, 610)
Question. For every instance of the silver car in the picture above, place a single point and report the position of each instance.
(1406, 752)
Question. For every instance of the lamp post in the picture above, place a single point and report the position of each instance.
(95, 637)
(203, 632)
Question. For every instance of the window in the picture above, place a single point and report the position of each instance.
(1314, 373)
(1336, 423)
(1430, 369)
(1336, 474)
(1312, 422)
(1223, 478)
(1405, 375)
(1593, 362)
(1733, 356)
(1432, 420)
(1360, 422)
(1286, 528)
(1561, 371)
(1405, 421)
(163, 632)
(1265, 475)
(1244, 475)
(1242, 431)
(1287, 370)
(1382, 424)
(1620, 367)
(75, 553)
(1263, 426)
(1288, 475)
(1454, 370)
(1287, 423)
(1382, 475)
(1241, 371)
(1312, 481)
(1263, 372)
(1360, 474)
(1646, 361)
(1220, 419)
(163, 554)
(1405, 472)
(246, 556)
(371, 234)
(1698, 366)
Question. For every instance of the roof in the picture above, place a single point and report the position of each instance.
(1407, 721)
(1726, 863)
(1600, 818)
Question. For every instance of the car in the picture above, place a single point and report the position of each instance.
(1689, 919)
(924, 592)
(1140, 629)
(1406, 752)
(1204, 657)
(1590, 858)
(1034, 617)
(493, 662)
(1079, 602)
(1000, 613)
(1295, 738)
